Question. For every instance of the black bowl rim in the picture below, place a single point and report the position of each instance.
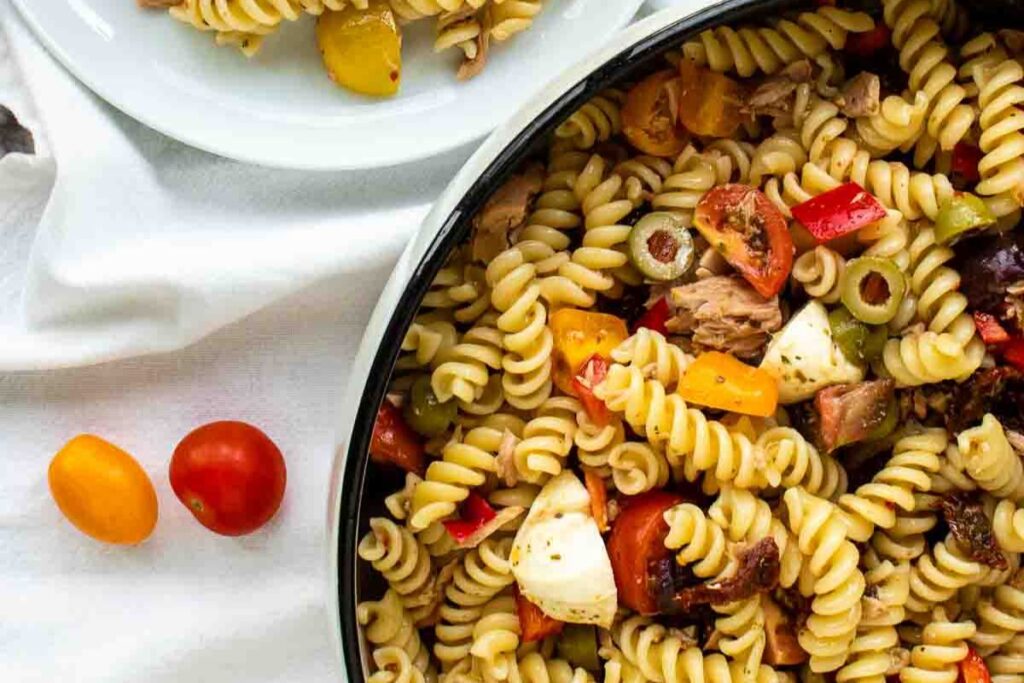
(453, 230)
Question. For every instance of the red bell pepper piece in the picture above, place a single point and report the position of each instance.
(964, 163)
(534, 623)
(973, 669)
(655, 318)
(1013, 353)
(591, 374)
(394, 442)
(473, 514)
(839, 212)
(867, 44)
(991, 331)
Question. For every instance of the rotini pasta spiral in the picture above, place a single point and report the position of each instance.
(597, 264)
(426, 343)
(942, 648)
(1007, 524)
(999, 98)
(991, 461)
(752, 49)
(534, 668)
(399, 502)
(404, 562)
(838, 584)
(743, 639)
(693, 174)
(528, 341)
(877, 638)
(411, 10)
(496, 638)
(777, 156)
(690, 440)
(512, 16)
(937, 575)
(596, 121)
(899, 122)
(662, 657)
(915, 458)
(1007, 664)
(819, 271)
(654, 355)
(463, 465)
(905, 541)
(464, 372)
(923, 55)
(594, 443)
(940, 305)
(923, 357)
(789, 460)
(479, 576)
(644, 175)
(387, 624)
(1000, 618)
(746, 518)
(636, 468)
(698, 541)
(547, 440)
(557, 209)
(817, 121)
(394, 666)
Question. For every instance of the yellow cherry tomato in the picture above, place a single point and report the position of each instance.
(103, 491)
(362, 49)
(717, 380)
(580, 335)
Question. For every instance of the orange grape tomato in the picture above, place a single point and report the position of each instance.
(710, 103)
(362, 48)
(580, 335)
(650, 116)
(751, 234)
(717, 380)
(103, 491)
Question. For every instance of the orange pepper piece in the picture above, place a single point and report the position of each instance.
(717, 380)
(579, 336)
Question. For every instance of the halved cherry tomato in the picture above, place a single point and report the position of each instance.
(751, 234)
(1013, 353)
(636, 540)
(580, 335)
(394, 442)
(598, 498)
(650, 115)
(991, 330)
(717, 380)
(591, 374)
(656, 317)
(710, 103)
(868, 43)
(534, 624)
(973, 669)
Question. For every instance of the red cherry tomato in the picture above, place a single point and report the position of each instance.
(230, 475)
(637, 539)
(751, 234)
(656, 317)
(650, 115)
(534, 623)
(991, 330)
(395, 443)
(973, 669)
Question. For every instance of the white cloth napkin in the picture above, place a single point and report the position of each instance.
(146, 245)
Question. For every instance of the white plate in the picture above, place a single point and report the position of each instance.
(279, 108)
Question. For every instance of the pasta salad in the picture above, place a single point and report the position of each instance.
(727, 383)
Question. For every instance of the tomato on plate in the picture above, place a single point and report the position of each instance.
(103, 491)
(395, 443)
(973, 669)
(650, 115)
(637, 539)
(751, 234)
(230, 475)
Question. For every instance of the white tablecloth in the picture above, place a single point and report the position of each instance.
(187, 605)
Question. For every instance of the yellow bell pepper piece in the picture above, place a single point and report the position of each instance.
(717, 380)
(579, 335)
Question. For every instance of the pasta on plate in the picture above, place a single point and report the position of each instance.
(360, 40)
(727, 384)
